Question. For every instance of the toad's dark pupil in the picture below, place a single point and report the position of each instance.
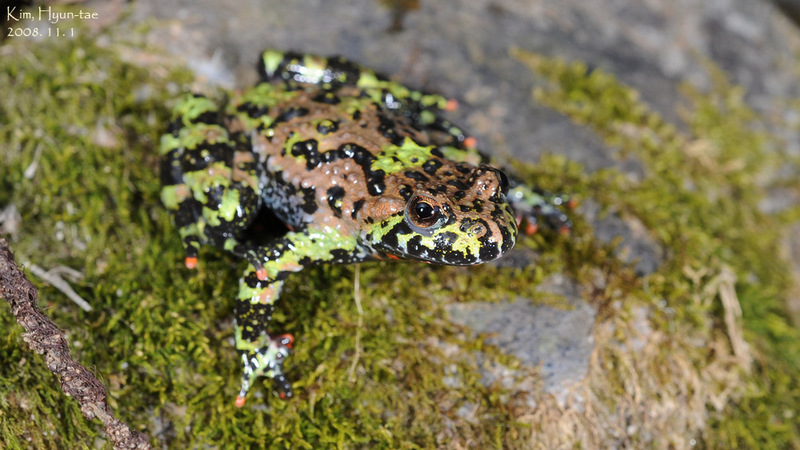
(423, 210)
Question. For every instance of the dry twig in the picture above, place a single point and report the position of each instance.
(45, 338)
(52, 277)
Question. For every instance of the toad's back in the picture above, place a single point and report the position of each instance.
(325, 153)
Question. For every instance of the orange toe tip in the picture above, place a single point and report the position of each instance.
(287, 339)
(572, 203)
(261, 273)
(531, 229)
(191, 262)
(240, 401)
(282, 396)
(470, 142)
(451, 105)
(564, 230)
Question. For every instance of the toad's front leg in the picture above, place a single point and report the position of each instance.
(259, 288)
(534, 208)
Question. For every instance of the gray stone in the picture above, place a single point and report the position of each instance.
(556, 340)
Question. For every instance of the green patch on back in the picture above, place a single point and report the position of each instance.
(406, 156)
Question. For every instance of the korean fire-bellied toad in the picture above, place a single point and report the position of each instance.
(356, 166)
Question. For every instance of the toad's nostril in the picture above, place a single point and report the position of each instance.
(474, 228)
(477, 230)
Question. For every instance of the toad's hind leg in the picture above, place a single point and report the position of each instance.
(209, 179)
(262, 354)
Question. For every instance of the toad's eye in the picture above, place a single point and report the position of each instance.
(423, 212)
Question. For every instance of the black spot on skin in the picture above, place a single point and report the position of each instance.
(390, 239)
(414, 175)
(388, 130)
(328, 98)
(339, 256)
(435, 151)
(504, 183)
(342, 69)
(458, 184)
(188, 212)
(308, 149)
(208, 117)
(497, 213)
(309, 200)
(171, 171)
(282, 275)
(489, 250)
(335, 195)
(508, 238)
(431, 166)
(356, 208)
(204, 154)
(174, 127)
(356, 115)
(289, 114)
(376, 187)
(415, 248)
(463, 168)
(342, 256)
(459, 195)
(327, 126)
(406, 192)
(252, 110)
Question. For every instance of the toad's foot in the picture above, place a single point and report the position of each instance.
(534, 209)
(267, 361)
